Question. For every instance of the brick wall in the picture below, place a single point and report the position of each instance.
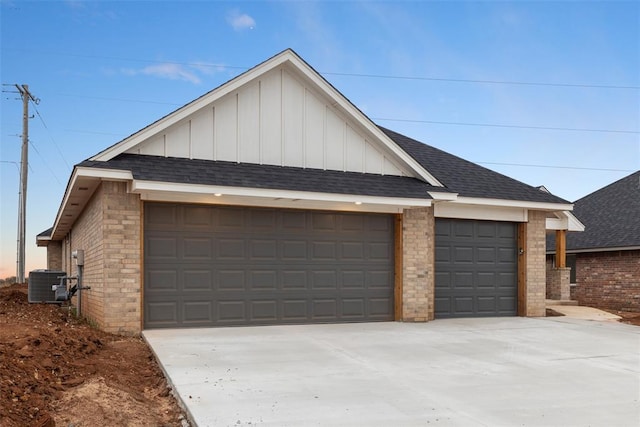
(558, 283)
(536, 264)
(122, 258)
(54, 255)
(418, 273)
(86, 234)
(608, 280)
(108, 230)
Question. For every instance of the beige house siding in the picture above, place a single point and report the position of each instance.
(418, 270)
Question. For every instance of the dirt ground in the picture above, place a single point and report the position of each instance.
(58, 371)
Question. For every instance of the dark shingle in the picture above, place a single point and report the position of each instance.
(466, 178)
(209, 172)
(611, 217)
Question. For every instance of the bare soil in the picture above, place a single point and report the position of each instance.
(629, 317)
(58, 370)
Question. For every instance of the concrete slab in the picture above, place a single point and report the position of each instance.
(585, 313)
(459, 372)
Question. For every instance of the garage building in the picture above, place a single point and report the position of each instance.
(274, 200)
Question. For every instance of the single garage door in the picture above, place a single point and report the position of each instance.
(476, 268)
(217, 266)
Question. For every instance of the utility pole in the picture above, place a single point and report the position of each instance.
(24, 167)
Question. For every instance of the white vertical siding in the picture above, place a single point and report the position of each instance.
(354, 151)
(202, 134)
(334, 141)
(277, 119)
(249, 124)
(314, 131)
(292, 121)
(178, 141)
(271, 118)
(226, 129)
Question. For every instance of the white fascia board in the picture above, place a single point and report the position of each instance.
(565, 221)
(442, 196)
(106, 174)
(544, 206)
(139, 186)
(477, 212)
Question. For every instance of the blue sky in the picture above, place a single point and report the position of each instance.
(104, 70)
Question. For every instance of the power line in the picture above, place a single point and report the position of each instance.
(45, 162)
(555, 167)
(376, 76)
(507, 126)
(495, 82)
(51, 136)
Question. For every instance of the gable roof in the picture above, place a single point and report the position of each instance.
(469, 179)
(611, 216)
(295, 63)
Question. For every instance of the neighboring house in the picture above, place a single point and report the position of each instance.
(272, 199)
(605, 258)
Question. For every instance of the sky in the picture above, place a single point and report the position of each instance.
(547, 92)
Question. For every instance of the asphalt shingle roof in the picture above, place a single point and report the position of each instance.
(466, 178)
(611, 217)
(209, 172)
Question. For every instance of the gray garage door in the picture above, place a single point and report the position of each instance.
(476, 268)
(216, 266)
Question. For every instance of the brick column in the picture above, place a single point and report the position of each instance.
(536, 264)
(54, 255)
(558, 286)
(122, 258)
(418, 281)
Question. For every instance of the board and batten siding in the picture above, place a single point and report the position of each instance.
(275, 120)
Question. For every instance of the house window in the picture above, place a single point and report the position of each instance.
(571, 262)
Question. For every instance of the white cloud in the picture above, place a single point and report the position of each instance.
(166, 70)
(240, 21)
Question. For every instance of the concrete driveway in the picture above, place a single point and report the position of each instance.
(476, 372)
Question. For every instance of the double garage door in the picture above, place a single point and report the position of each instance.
(217, 266)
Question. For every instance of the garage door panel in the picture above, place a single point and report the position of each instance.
(294, 279)
(323, 251)
(378, 279)
(162, 313)
(197, 248)
(353, 308)
(161, 280)
(160, 216)
(196, 312)
(293, 250)
(321, 279)
(324, 309)
(262, 280)
(197, 280)
(230, 311)
(197, 217)
(480, 278)
(264, 310)
(229, 249)
(230, 280)
(267, 267)
(263, 250)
